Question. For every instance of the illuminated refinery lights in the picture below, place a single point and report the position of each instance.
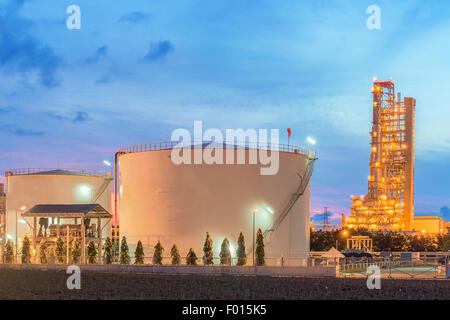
(389, 202)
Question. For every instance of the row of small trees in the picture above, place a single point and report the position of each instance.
(59, 253)
(208, 255)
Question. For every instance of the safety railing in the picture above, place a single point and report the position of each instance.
(157, 146)
(396, 268)
(57, 171)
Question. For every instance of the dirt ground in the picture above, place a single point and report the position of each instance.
(30, 284)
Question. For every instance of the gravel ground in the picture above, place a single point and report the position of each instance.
(31, 284)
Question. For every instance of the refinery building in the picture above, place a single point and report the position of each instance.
(389, 203)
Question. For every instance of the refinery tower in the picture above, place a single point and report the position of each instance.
(389, 203)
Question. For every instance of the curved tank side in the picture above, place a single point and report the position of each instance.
(178, 204)
(29, 190)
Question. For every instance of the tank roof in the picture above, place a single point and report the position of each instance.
(158, 146)
(50, 171)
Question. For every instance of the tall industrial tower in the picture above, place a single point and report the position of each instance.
(389, 203)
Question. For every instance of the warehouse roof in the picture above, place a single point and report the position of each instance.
(67, 210)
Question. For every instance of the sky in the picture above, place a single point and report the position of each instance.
(137, 70)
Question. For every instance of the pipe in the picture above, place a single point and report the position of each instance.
(116, 162)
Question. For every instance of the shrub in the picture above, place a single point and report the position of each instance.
(139, 253)
(43, 252)
(175, 254)
(92, 253)
(259, 251)
(241, 255)
(76, 251)
(26, 251)
(225, 255)
(9, 252)
(208, 257)
(124, 252)
(157, 255)
(59, 250)
(108, 251)
(191, 258)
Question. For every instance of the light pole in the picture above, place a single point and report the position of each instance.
(254, 242)
(312, 142)
(22, 209)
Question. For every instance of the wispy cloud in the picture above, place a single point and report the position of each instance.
(104, 80)
(135, 17)
(54, 115)
(21, 52)
(4, 110)
(101, 52)
(18, 131)
(81, 116)
(76, 117)
(158, 50)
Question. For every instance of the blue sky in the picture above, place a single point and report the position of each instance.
(137, 70)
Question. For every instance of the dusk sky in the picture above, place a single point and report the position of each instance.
(137, 70)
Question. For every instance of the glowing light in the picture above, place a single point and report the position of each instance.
(23, 208)
(22, 221)
(232, 250)
(255, 210)
(311, 140)
(107, 163)
(85, 190)
(9, 237)
(270, 210)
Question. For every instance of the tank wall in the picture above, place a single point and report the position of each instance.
(180, 203)
(30, 190)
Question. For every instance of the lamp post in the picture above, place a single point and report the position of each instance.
(254, 242)
(21, 209)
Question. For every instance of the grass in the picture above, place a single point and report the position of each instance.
(33, 284)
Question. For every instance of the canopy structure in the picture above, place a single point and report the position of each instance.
(68, 211)
(50, 216)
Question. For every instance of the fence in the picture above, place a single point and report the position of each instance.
(157, 146)
(305, 270)
(433, 267)
(167, 260)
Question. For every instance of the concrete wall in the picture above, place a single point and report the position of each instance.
(180, 203)
(258, 271)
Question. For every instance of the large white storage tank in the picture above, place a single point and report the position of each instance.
(28, 187)
(178, 204)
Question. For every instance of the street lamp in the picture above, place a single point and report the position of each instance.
(254, 242)
(21, 209)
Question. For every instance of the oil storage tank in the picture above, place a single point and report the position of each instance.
(26, 188)
(179, 203)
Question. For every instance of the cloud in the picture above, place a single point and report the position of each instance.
(55, 116)
(7, 109)
(103, 80)
(18, 131)
(445, 212)
(100, 53)
(81, 116)
(135, 17)
(21, 52)
(158, 50)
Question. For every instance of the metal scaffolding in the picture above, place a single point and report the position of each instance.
(388, 204)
